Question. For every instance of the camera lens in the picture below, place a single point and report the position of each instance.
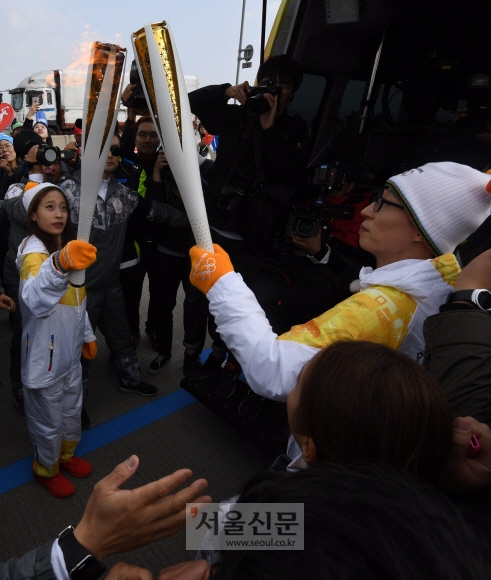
(256, 106)
(50, 155)
(304, 226)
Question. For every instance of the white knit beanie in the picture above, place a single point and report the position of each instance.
(446, 201)
(33, 189)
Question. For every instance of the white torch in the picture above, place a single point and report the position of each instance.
(101, 106)
(167, 99)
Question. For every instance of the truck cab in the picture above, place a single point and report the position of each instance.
(21, 100)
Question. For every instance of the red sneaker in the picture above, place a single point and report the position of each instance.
(57, 486)
(77, 467)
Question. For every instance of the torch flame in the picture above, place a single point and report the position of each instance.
(101, 57)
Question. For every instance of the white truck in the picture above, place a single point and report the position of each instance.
(61, 96)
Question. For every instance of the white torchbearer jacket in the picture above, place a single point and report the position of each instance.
(390, 309)
(54, 320)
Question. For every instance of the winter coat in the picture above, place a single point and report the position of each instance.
(109, 226)
(390, 309)
(54, 320)
(458, 354)
(283, 150)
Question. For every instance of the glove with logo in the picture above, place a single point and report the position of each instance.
(208, 267)
(89, 350)
(76, 255)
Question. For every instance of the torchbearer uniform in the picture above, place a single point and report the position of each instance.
(55, 326)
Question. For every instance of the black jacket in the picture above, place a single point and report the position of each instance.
(458, 354)
(282, 156)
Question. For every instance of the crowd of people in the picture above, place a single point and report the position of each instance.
(366, 325)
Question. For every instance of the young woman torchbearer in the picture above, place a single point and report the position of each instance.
(56, 331)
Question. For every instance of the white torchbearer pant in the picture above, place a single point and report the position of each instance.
(53, 415)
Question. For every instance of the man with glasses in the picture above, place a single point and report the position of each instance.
(411, 231)
(140, 149)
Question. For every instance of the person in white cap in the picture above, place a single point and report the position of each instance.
(411, 230)
(55, 332)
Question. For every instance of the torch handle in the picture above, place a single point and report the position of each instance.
(77, 277)
(202, 235)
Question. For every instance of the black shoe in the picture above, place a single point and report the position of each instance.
(192, 366)
(152, 335)
(227, 382)
(211, 368)
(141, 388)
(84, 419)
(158, 363)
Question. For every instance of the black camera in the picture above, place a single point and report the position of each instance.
(67, 154)
(327, 178)
(47, 155)
(256, 104)
(234, 202)
(303, 224)
(331, 176)
(137, 100)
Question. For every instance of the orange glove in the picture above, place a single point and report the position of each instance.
(89, 350)
(208, 267)
(76, 255)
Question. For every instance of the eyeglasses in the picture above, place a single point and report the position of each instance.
(116, 151)
(379, 201)
(6, 147)
(143, 135)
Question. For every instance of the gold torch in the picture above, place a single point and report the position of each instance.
(101, 106)
(167, 99)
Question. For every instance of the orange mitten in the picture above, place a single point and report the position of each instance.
(208, 267)
(77, 255)
(89, 350)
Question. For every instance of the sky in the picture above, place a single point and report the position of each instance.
(54, 34)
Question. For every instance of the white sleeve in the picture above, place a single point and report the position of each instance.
(271, 366)
(42, 293)
(58, 562)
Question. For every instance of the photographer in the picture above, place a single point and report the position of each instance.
(314, 272)
(260, 162)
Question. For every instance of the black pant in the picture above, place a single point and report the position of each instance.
(105, 308)
(169, 272)
(131, 280)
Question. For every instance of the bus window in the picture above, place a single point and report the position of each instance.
(308, 98)
(49, 97)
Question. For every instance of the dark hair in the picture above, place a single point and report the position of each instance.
(146, 119)
(282, 68)
(361, 401)
(49, 240)
(362, 521)
(24, 140)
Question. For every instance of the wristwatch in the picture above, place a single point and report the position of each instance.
(481, 298)
(79, 562)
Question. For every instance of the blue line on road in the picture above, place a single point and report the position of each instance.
(20, 472)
